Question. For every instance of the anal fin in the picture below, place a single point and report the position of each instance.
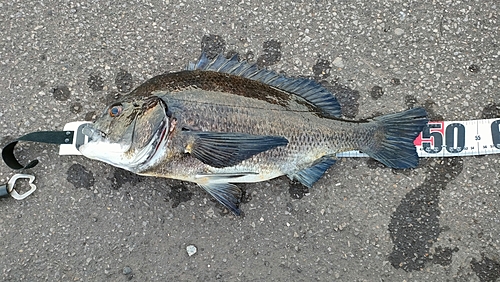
(308, 176)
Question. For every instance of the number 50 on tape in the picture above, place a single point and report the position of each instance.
(459, 138)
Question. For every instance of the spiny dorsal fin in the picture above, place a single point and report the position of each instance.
(308, 89)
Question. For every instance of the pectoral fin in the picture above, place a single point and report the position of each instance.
(227, 194)
(219, 149)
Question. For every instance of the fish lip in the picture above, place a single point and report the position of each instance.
(92, 132)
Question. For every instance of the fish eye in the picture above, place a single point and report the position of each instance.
(115, 110)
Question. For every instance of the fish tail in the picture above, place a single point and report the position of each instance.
(392, 142)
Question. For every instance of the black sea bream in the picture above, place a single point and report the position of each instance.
(223, 122)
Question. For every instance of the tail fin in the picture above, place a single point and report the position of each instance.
(394, 146)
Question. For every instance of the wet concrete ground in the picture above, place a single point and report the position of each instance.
(88, 221)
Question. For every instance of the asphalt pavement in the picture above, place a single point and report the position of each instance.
(63, 61)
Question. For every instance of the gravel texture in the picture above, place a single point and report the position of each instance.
(62, 61)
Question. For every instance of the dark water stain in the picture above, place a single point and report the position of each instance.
(443, 256)
(95, 82)
(431, 113)
(414, 226)
(245, 197)
(212, 45)
(121, 176)
(347, 97)
(374, 164)
(297, 190)
(492, 110)
(90, 116)
(80, 176)
(395, 81)
(249, 56)
(474, 68)
(410, 101)
(322, 69)
(76, 108)
(123, 81)
(110, 97)
(376, 92)
(232, 53)
(488, 270)
(272, 53)
(179, 194)
(61, 93)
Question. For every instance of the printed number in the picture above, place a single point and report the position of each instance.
(495, 133)
(435, 145)
(455, 135)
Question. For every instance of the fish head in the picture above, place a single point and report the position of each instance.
(128, 133)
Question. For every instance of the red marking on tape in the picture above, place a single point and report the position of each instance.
(418, 141)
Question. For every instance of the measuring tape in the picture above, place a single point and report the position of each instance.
(459, 138)
(437, 139)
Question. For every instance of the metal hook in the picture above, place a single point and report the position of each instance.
(12, 182)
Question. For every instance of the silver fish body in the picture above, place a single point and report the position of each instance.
(223, 122)
(308, 136)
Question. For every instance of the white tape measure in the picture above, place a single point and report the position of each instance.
(437, 139)
(454, 139)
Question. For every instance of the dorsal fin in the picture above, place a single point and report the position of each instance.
(308, 89)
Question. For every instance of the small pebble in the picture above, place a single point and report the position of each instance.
(399, 31)
(338, 62)
(191, 250)
(127, 270)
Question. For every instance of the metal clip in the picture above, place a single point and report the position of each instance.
(12, 182)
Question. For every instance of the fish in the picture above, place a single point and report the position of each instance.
(223, 121)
